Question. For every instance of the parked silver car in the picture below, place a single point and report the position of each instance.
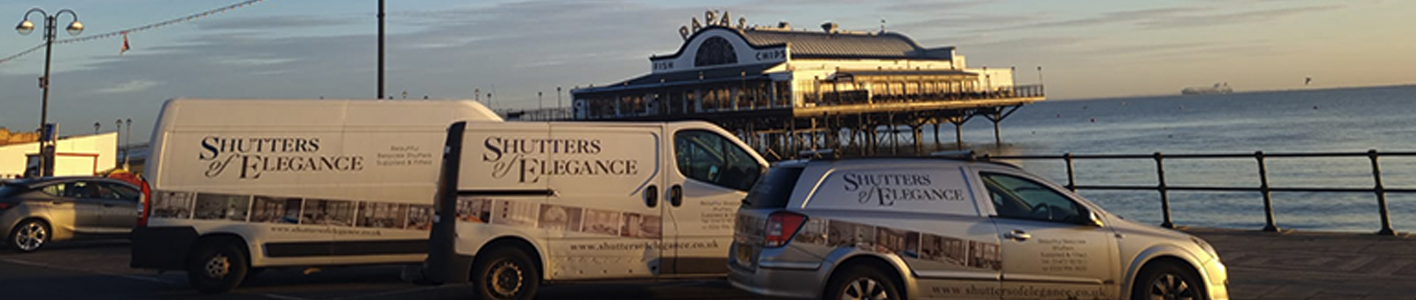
(933, 228)
(34, 212)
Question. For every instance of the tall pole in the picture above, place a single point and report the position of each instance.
(381, 49)
(128, 143)
(119, 131)
(540, 105)
(46, 159)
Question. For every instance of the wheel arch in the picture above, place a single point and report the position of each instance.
(218, 237)
(521, 243)
(893, 266)
(1157, 256)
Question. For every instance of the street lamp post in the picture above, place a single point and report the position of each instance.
(119, 131)
(128, 144)
(47, 157)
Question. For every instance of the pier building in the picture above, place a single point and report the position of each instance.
(786, 90)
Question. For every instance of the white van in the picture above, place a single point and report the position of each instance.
(521, 203)
(241, 185)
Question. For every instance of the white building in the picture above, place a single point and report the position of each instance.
(73, 156)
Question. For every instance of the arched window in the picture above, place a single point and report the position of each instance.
(715, 51)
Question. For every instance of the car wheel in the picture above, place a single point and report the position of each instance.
(505, 273)
(862, 282)
(1168, 282)
(217, 267)
(29, 236)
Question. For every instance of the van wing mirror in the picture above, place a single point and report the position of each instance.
(1094, 219)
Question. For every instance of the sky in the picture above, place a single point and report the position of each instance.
(514, 49)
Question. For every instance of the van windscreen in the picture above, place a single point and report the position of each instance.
(773, 190)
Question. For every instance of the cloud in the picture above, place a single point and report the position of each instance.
(1253, 16)
(934, 7)
(131, 86)
(1172, 17)
(271, 22)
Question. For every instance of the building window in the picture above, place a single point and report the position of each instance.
(715, 51)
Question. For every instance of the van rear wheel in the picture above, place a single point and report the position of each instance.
(505, 273)
(217, 267)
(861, 282)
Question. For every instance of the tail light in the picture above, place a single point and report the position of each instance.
(6, 205)
(145, 204)
(781, 226)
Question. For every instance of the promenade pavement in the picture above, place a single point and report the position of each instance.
(1315, 265)
(1262, 266)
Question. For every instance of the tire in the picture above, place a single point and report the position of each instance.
(29, 236)
(217, 267)
(862, 282)
(1168, 281)
(505, 273)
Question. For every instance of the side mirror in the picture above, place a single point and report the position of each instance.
(1094, 219)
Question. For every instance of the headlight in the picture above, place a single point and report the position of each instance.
(1206, 246)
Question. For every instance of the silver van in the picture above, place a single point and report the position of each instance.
(934, 228)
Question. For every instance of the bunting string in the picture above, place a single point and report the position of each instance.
(147, 27)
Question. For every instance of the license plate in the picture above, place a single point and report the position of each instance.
(744, 255)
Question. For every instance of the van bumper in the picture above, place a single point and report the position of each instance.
(1217, 280)
(161, 248)
(774, 282)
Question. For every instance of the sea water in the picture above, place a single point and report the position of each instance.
(1301, 121)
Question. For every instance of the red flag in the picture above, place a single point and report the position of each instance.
(125, 44)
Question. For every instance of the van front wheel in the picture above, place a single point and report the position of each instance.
(217, 267)
(862, 282)
(505, 273)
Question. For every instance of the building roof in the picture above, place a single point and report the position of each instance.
(842, 44)
(722, 74)
(837, 44)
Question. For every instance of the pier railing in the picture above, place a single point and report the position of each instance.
(1263, 188)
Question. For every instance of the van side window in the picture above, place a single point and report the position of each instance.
(708, 157)
(1019, 198)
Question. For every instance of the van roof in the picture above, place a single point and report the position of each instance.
(858, 159)
(320, 112)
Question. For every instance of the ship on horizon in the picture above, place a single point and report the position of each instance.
(1218, 88)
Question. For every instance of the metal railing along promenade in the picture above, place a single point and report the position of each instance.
(1264, 188)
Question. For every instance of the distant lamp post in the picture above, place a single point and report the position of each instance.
(119, 131)
(128, 145)
(95, 128)
(25, 27)
(540, 105)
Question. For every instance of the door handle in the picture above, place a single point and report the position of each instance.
(107, 205)
(651, 196)
(676, 195)
(1017, 235)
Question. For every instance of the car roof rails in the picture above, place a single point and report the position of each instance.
(968, 155)
(817, 154)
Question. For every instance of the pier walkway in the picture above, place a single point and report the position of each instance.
(1311, 265)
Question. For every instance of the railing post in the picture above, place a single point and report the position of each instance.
(1071, 176)
(1269, 224)
(1381, 194)
(1164, 196)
